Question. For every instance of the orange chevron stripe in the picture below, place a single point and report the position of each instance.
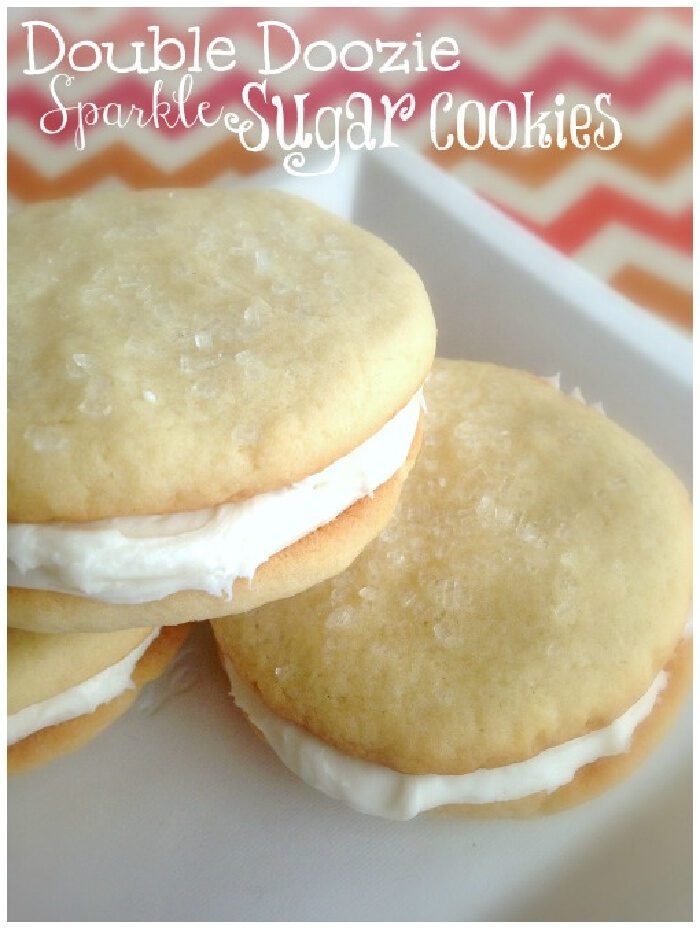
(655, 294)
(656, 159)
(603, 204)
(121, 161)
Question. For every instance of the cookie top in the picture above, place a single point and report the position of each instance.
(41, 666)
(532, 583)
(171, 350)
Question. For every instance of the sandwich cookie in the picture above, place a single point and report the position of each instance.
(513, 642)
(63, 690)
(214, 398)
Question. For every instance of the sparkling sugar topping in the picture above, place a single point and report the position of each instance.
(138, 307)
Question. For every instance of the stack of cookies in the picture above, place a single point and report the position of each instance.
(216, 398)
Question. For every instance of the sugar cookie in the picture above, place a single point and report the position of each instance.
(198, 381)
(512, 642)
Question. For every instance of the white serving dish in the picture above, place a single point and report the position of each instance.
(185, 815)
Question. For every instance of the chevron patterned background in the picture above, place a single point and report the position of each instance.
(625, 214)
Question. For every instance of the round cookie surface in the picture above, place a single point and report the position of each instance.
(169, 351)
(532, 583)
(54, 741)
(315, 557)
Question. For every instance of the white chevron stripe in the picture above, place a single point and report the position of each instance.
(617, 245)
(543, 204)
(619, 57)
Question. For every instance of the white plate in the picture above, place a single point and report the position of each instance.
(184, 814)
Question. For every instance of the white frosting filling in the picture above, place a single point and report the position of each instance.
(79, 700)
(143, 558)
(375, 789)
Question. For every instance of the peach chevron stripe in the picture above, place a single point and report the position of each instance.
(625, 214)
(655, 183)
(120, 161)
(616, 246)
(653, 292)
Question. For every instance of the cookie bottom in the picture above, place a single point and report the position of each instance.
(592, 779)
(53, 741)
(314, 558)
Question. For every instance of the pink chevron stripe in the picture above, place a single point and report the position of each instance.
(501, 27)
(602, 205)
(561, 69)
